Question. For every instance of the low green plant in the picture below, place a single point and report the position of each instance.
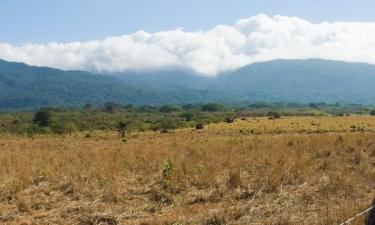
(168, 172)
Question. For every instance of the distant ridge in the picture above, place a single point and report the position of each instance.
(304, 81)
(24, 87)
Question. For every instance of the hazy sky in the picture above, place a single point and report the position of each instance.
(41, 21)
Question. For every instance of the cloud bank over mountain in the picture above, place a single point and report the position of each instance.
(222, 48)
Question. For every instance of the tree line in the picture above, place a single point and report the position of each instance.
(123, 119)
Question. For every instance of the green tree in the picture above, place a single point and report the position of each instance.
(122, 128)
(42, 118)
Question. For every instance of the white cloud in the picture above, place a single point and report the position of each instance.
(220, 49)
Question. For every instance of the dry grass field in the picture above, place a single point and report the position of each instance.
(298, 170)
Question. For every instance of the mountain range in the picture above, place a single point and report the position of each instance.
(24, 87)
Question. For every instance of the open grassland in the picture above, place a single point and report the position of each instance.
(298, 170)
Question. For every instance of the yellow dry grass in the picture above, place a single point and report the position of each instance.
(255, 171)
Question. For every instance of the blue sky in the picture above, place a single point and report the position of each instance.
(217, 35)
(42, 21)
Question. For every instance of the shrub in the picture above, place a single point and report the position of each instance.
(168, 171)
(273, 115)
(35, 129)
(199, 126)
(229, 120)
(188, 116)
(122, 128)
(63, 128)
(167, 124)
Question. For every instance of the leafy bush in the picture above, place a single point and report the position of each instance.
(167, 124)
(188, 116)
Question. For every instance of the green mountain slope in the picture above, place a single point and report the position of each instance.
(24, 87)
(302, 81)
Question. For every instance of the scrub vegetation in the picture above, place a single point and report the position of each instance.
(242, 166)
